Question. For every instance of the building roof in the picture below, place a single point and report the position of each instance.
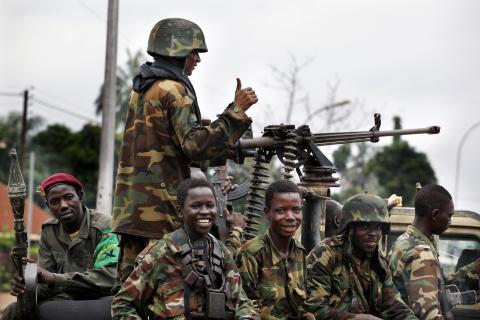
(6, 215)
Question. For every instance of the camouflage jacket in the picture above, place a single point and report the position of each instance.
(416, 273)
(233, 242)
(275, 283)
(333, 285)
(156, 286)
(85, 266)
(162, 137)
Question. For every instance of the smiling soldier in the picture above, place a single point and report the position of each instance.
(273, 265)
(188, 274)
(347, 276)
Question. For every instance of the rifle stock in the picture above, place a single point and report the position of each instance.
(219, 181)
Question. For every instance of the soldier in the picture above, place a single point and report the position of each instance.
(347, 276)
(188, 274)
(272, 265)
(414, 258)
(235, 220)
(77, 257)
(333, 211)
(163, 136)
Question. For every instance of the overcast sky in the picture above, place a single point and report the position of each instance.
(413, 58)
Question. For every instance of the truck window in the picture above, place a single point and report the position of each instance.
(450, 249)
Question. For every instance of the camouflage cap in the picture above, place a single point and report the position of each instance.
(365, 208)
(175, 37)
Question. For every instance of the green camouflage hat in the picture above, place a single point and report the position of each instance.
(365, 208)
(175, 37)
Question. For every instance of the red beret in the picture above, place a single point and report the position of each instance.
(59, 178)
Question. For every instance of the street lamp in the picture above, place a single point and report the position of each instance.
(459, 153)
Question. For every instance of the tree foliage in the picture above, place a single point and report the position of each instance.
(125, 75)
(10, 130)
(61, 150)
(399, 166)
(351, 163)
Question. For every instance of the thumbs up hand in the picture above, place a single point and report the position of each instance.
(244, 98)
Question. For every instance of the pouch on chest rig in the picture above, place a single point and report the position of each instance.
(202, 264)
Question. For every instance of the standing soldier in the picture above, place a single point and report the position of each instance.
(416, 270)
(163, 135)
(347, 277)
(273, 265)
(188, 274)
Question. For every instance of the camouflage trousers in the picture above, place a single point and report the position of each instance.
(130, 247)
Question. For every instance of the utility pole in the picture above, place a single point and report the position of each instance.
(23, 135)
(459, 154)
(107, 142)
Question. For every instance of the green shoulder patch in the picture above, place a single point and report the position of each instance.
(106, 252)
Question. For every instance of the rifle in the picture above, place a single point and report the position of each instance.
(218, 181)
(27, 302)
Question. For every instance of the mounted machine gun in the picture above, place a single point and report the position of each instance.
(297, 147)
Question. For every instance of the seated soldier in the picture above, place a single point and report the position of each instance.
(188, 274)
(347, 276)
(272, 265)
(77, 257)
(414, 260)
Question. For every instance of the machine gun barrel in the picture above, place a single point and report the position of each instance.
(323, 139)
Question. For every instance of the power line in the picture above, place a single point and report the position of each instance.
(68, 112)
(100, 17)
(84, 5)
(54, 97)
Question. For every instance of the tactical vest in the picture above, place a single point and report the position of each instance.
(203, 271)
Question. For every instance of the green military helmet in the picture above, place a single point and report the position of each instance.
(175, 37)
(365, 208)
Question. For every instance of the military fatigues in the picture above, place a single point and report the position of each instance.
(233, 242)
(158, 285)
(417, 273)
(335, 280)
(85, 266)
(162, 136)
(275, 283)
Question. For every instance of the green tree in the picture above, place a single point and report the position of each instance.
(125, 75)
(61, 150)
(10, 129)
(399, 166)
(351, 162)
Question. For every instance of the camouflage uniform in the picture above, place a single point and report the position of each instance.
(275, 283)
(84, 267)
(233, 242)
(163, 135)
(336, 279)
(157, 286)
(416, 273)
